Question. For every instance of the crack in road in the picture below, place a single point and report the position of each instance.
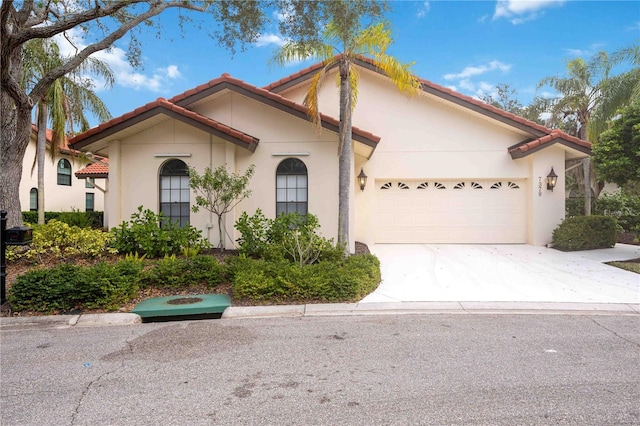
(76, 410)
(614, 333)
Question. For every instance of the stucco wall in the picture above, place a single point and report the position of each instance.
(57, 198)
(281, 136)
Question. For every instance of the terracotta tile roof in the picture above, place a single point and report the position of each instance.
(225, 81)
(162, 105)
(300, 74)
(556, 136)
(64, 147)
(443, 92)
(99, 169)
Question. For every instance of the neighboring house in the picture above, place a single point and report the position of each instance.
(441, 167)
(62, 191)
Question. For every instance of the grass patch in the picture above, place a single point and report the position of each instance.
(629, 265)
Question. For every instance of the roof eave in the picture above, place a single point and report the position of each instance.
(250, 146)
(518, 153)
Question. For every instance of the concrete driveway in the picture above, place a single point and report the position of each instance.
(503, 273)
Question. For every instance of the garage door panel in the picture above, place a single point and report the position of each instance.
(476, 211)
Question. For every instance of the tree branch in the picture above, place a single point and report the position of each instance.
(41, 87)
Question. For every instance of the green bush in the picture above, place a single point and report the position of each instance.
(292, 236)
(143, 234)
(586, 233)
(65, 287)
(347, 280)
(176, 272)
(574, 206)
(61, 240)
(624, 206)
(74, 218)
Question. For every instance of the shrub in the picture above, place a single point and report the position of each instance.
(175, 272)
(65, 287)
(625, 207)
(254, 231)
(344, 281)
(292, 236)
(74, 218)
(61, 240)
(144, 234)
(586, 233)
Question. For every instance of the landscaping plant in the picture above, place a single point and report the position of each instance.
(147, 233)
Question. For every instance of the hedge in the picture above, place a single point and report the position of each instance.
(74, 218)
(586, 233)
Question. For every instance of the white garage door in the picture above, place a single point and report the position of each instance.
(445, 211)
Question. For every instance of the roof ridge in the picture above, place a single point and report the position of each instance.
(490, 108)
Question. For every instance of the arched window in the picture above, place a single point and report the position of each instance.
(291, 187)
(64, 172)
(174, 192)
(33, 200)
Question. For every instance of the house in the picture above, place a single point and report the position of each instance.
(62, 191)
(442, 167)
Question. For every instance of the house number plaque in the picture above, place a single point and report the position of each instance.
(539, 186)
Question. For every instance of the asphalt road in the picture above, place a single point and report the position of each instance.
(374, 370)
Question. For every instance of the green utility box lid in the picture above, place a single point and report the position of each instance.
(183, 305)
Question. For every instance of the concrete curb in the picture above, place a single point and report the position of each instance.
(345, 309)
(426, 308)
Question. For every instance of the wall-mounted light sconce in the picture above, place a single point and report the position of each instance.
(362, 179)
(552, 179)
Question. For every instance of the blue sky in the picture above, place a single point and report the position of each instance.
(469, 46)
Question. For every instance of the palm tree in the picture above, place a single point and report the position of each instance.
(590, 96)
(65, 102)
(342, 42)
(619, 90)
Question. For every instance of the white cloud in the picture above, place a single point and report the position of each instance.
(521, 11)
(467, 85)
(423, 9)
(125, 75)
(634, 27)
(589, 51)
(478, 70)
(268, 39)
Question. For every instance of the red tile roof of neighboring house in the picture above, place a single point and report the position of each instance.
(161, 105)
(225, 81)
(474, 104)
(64, 147)
(99, 169)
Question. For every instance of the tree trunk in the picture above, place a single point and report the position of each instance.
(41, 149)
(221, 242)
(345, 152)
(587, 185)
(14, 136)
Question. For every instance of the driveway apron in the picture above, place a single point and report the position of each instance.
(503, 273)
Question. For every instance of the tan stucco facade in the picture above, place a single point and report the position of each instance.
(58, 198)
(456, 160)
(427, 138)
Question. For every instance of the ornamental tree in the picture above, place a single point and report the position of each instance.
(219, 191)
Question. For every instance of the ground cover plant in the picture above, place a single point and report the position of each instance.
(284, 260)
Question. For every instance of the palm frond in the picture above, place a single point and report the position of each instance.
(399, 73)
(296, 52)
(311, 98)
